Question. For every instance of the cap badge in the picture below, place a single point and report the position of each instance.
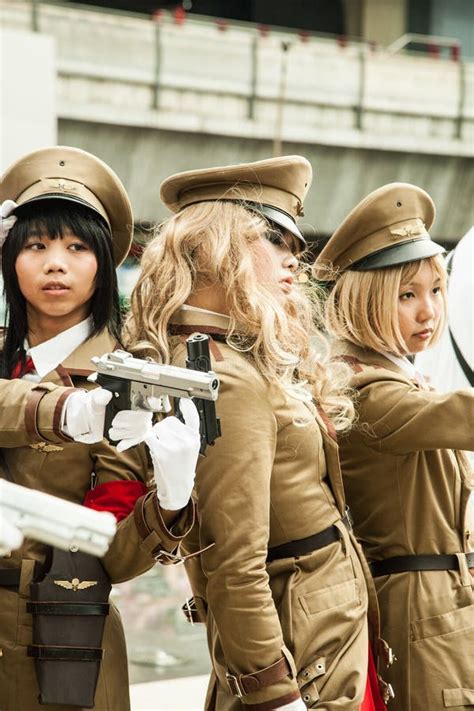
(408, 231)
(63, 185)
(299, 209)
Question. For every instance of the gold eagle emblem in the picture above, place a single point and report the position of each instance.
(75, 584)
(44, 447)
(408, 231)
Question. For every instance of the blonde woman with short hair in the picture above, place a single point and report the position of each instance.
(280, 580)
(406, 478)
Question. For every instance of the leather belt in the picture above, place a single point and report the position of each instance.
(303, 546)
(10, 577)
(242, 684)
(407, 563)
(75, 654)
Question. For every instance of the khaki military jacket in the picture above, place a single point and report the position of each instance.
(40, 457)
(273, 477)
(407, 485)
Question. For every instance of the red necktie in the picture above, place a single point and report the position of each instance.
(17, 369)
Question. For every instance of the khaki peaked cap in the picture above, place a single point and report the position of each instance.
(67, 173)
(389, 227)
(275, 187)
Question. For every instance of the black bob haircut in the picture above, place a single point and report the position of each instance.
(52, 217)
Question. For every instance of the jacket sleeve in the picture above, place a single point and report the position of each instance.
(397, 417)
(30, 412)
(233, 491)
(142, 534)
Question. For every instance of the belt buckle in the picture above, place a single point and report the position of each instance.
(235, 685)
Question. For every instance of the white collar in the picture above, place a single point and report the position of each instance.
(49, 354)
(405, 365)
(188, 307)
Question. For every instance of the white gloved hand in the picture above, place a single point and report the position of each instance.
(298, 705)
(84, 415)
(130, 427)
(174, 449)
(7, 220)
(11, 537)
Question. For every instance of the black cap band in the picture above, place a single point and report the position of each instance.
(411, 251)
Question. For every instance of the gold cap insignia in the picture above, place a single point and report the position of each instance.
(408, 231)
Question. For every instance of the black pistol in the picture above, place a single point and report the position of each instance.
(199, 359)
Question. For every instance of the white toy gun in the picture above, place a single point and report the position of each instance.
(144, 385)
(54, 521)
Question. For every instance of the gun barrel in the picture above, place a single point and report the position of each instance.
(171, 380)
(56, 522)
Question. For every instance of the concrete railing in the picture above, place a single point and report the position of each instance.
(233, 79)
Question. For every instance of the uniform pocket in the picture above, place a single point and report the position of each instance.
(458, 697)
(441, 658)
(328, 598)
(449, 622)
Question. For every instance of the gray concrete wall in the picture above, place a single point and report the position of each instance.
(154, 99)
(143, 157)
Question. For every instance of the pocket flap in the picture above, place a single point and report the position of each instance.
(458, 697)
(447, 623)
(328, 598)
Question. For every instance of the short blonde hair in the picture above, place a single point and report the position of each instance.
(363, 306)
(211, 243)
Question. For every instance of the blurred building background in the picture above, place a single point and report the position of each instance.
(370, 91)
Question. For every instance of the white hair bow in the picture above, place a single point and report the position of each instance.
(7, 220)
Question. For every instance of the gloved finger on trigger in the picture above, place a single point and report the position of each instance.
(100, 398)
(190, 413)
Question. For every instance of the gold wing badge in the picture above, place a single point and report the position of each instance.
(75, 584)
(409, 231)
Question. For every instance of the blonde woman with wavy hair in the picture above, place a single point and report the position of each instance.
(407, 481)
(283, 585)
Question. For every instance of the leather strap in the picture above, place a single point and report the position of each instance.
(73, 654)
(303, 546)
(463, 364)
(10, 577)
(243, 684)
(68, 608)
(408, 563)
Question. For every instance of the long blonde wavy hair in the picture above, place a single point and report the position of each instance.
(210, 244)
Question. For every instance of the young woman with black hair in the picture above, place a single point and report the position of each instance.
(69, 226)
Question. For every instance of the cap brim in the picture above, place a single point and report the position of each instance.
(411, 251)
(282, 219)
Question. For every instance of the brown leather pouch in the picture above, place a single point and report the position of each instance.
(69, 605)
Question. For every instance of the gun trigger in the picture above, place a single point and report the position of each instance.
(166, 404)
(92, 378)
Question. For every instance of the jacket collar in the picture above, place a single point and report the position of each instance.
(200, 317)
(366, 356)
(79, 361)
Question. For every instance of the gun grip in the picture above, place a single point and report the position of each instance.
(120, 390)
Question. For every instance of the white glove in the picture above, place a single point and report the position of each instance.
(298, 705)
(7, 220)
(174, 449)
(84, 415)
(130, 427)
(10, 536)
